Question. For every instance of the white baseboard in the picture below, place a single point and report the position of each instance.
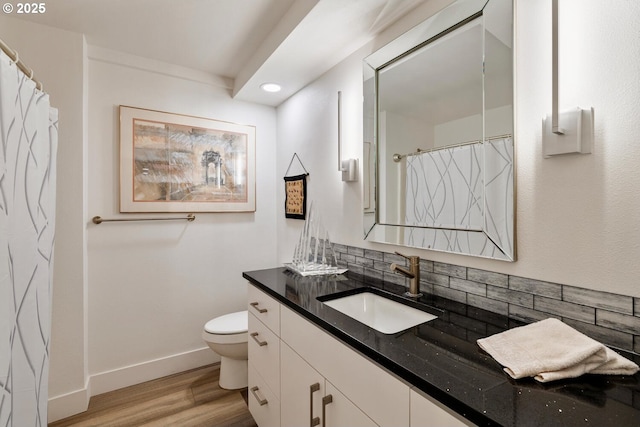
(76, 402)
(66, 405)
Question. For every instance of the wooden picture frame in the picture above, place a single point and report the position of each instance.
(178, 163)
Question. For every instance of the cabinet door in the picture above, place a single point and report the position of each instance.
(306, 397)
(383, 397)
(426, 411)
(340, 411)
(302, 388)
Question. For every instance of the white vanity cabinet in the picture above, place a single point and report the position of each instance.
(307, 398)
(264, 358)
(304, 376)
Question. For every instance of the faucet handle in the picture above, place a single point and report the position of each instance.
(411, 258)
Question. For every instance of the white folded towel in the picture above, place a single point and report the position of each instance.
(550, 350)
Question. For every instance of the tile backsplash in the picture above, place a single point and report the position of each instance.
(612, 319)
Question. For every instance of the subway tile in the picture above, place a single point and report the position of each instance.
(436, 279)
(340, 248)
(536, 287)
(381, 266)
(565, 309)
(488, 304)
(426, 287)
(451, 294)
(348, 258)
(621, 340)
(468, 286)
(375, 274)
(395, 278)
(522, 299)
(636, 306)
(528, 315)
(365, 262)
(450, 270)
(342, 263)
(374, 255)
(356, 251)
(394, 258)
(605, 300)
(636, 349)
(617, 321)
(355, 268)
(426, 266)
(488, 277)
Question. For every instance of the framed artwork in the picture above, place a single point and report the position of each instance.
(295, 203)
(178, 163)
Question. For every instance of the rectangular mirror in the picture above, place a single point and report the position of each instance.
(438, 134)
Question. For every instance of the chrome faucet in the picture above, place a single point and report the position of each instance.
(413, 273)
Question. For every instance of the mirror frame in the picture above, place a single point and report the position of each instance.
(456, 15)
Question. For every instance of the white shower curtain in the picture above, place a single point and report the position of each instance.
(29, 138)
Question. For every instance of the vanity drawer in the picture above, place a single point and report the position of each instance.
(263, 403)
(264, 352)
(265, 308)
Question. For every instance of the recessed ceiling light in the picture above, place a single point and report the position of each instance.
(270, 87)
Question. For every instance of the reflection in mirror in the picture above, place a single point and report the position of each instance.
(438, 134)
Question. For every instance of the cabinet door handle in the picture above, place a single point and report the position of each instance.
(312, 389)
(255, 305)
(261, 401)
(260, 343)
(325, 401)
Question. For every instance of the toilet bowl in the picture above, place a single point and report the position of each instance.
(227, 336)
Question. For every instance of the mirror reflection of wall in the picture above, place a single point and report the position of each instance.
(439, 117)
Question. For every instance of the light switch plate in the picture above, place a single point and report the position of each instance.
(577, 125)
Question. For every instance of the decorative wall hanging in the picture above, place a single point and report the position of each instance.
(177, 163)
(295, 190)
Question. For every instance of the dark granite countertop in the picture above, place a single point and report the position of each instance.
(442, 359)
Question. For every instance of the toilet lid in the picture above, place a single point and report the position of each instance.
(234, 323)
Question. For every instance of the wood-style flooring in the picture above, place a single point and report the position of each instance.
(188, 399)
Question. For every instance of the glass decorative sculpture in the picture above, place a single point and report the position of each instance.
(314, 254)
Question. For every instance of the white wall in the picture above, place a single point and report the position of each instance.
(576, 215)
(153, 285)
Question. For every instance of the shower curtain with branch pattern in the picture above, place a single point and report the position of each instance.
(28, 131)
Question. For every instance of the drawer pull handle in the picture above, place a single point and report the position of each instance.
(312, 389)
(325, 401)
(254, 391)
(255, 305)
(260, 343)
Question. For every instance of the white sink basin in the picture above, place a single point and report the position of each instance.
(380, 313)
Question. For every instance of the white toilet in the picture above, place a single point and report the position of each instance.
(227, 336)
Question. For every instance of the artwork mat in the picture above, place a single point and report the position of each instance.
(127, 163)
